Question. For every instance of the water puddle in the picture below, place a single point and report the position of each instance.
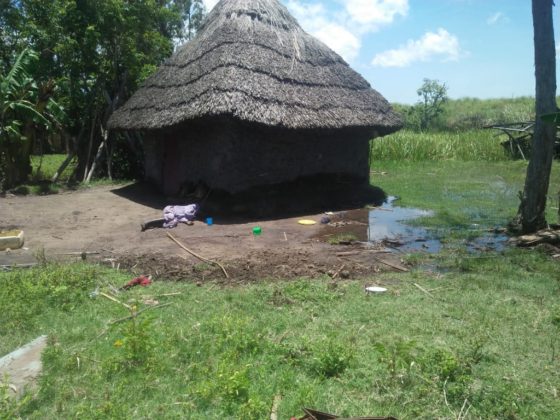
(489, 242)
(388, 224)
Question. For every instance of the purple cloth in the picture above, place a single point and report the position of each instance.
(173, 215)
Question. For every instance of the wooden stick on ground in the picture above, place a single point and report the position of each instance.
(169, 294)
(198, 256)
(338, 271)
(424, 290)
(397, 267)
(347, 253)
(114, 299)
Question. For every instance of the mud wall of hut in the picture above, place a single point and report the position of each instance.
(233, 156)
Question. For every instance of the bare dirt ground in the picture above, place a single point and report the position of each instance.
(104, 222)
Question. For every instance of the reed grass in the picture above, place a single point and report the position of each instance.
(474, 145)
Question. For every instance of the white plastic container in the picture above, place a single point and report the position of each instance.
(11, 239)
(375, 289)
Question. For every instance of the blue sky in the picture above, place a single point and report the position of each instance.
(478, 48)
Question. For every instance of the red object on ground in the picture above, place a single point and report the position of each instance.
(138, 281)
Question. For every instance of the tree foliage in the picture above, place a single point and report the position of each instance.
(433, 96)
(425, 114)
(25, 108)
(96, 52)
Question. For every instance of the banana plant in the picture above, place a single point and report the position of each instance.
(18, 92)
(21, 106)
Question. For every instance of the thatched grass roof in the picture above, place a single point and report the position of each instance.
(251, 60)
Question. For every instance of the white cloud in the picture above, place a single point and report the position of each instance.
(496, 18)
(339, 39)
(440, 44)
(314, 18)
(375, 12)
(342, 29)
(209, 4)
(303, 10)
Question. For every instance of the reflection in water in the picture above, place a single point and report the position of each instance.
(388, 223)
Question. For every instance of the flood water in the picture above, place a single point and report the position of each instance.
(388, 224)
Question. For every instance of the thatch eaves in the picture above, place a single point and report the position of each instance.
(252, 61)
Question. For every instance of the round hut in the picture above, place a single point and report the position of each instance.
(253, 100)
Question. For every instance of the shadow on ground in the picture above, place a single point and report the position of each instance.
(300, 197)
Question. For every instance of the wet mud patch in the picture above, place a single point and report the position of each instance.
(349, 224)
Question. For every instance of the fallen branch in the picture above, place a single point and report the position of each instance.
(169, 294)
(542, 236)
(80, 253)
(338, 271)
(395, 266)
(8, 267)
(198, 256)
(114, 299)
(347, 253)
(424, 290)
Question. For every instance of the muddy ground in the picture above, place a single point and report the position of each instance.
(103, 224)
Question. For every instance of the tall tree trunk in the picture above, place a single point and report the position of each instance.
(533, 201)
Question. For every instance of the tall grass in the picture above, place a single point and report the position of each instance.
(473, 145)
(469, 113)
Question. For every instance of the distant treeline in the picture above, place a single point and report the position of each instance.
(471, 113)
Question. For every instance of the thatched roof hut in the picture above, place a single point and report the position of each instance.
(254, 94)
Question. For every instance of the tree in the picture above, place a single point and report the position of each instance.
(433, 96)
(96, 52)
(24, 107)
(533, 200)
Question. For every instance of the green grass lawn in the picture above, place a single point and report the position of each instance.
(43, 169)
(485, 336)
(489, 335)
(45, 166)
